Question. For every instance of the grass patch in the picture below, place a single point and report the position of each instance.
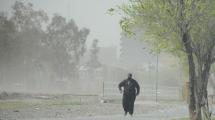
(25, 104)
(61, 102)
(13, 105)
(182, 119)
(213, 118)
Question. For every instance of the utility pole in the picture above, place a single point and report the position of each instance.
(156, 83)
(157, 74)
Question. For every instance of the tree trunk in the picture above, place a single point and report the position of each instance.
(203, 69)
(191, 101)
(198, 99)
(198, 80)
(206, 115)
(197, 83)
(198, 95)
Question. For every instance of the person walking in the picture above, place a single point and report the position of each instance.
(131, 89)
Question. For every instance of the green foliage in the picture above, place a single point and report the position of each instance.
(149, 16)
(162, 24)
(159, 19)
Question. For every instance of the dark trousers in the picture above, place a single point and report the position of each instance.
(128, 103)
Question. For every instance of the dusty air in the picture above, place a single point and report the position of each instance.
(107, 59)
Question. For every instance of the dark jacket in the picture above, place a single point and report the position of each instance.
(131, 87)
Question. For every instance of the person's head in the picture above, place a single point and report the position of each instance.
(129, 75)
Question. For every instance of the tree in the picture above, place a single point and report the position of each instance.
(28, 38)
(68, 45)
(26, 17)
(182, 27)
(20, 40)
(29, 47)
(93, 62)
(7, 30)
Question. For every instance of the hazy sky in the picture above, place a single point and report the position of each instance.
(86, 13)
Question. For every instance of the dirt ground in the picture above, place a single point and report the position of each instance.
(48, 107)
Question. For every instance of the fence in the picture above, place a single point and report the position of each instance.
(147, 92)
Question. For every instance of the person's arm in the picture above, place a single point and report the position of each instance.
(137, 88)
(121, 84)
